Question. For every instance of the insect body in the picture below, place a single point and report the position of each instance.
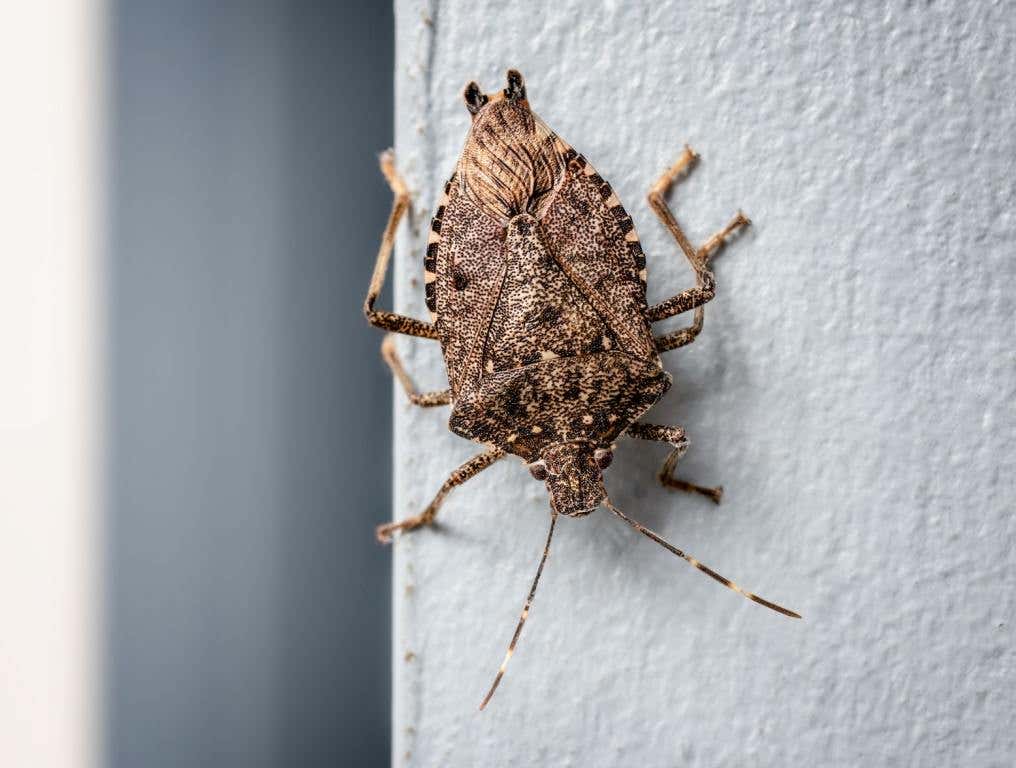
(536, 284)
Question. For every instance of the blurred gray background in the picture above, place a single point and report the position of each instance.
(249, 454)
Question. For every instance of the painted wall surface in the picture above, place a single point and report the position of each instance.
(852, 389)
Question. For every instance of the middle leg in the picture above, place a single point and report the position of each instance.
(425, 399)
(677, 439)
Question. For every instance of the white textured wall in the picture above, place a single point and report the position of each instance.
(853, 390)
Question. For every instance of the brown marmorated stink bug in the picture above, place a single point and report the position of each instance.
(536, 286)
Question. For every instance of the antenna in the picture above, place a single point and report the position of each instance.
(701, 566)
(525, 613)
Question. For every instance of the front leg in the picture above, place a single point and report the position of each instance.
(705, 287)
(676, 437)
(390, 321)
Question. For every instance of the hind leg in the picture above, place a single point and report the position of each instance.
(468, 470)
(676, 437)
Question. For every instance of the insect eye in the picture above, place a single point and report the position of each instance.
(603, 457)
(538, 469)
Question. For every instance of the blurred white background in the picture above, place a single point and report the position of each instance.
(51, 209)
(194, 420)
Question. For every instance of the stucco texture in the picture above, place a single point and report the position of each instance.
(853, 391)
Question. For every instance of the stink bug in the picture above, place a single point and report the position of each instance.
(536, 285)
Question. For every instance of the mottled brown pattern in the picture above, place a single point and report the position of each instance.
(590, 398)
(584, 230)
(463, 313)
(540, 314)
(536, 283)
(540, 309)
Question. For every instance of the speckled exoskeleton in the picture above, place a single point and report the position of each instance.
(536, 285)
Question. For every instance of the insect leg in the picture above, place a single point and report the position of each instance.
(468, 470)
(425, 399)
(676, 437)
(683, 336)
(705, 288)
(390, 321)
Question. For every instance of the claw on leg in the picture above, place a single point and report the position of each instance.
(385, 532)
(716, 494)
(667, 479)
(682, 165)
(398, 186)
(718, 240)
